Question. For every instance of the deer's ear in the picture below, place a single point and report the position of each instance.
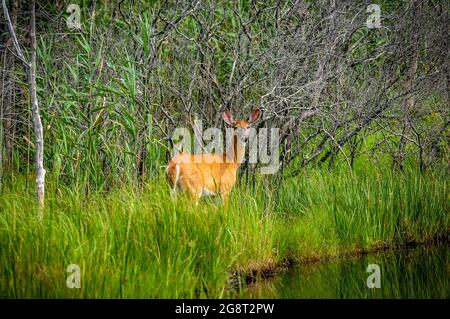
(228, 118)
(254, 116)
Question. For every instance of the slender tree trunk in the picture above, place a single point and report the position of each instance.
(30, 68)
(40, 171)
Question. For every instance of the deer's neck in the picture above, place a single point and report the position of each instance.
(236, 152)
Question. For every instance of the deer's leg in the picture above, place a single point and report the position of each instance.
(224, 197)
(194, 193)
(173, 193)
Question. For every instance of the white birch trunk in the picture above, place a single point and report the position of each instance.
(31, 74)
(38, 131)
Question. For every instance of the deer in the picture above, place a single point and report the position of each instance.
(212, 174)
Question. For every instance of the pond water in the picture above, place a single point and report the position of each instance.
(420, 272)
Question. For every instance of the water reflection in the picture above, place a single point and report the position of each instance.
(421, 272)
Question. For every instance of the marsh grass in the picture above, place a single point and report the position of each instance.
(141, 244)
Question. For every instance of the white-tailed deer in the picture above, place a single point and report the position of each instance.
(212, 174)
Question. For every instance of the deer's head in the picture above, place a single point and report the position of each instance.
(241, 127)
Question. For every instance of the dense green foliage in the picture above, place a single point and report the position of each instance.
(112, 92)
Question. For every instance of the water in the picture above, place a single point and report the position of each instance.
(421, 272)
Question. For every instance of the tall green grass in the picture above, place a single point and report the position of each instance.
(336, 211)
(133, 243)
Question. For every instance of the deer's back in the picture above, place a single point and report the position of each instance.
(202, 172)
